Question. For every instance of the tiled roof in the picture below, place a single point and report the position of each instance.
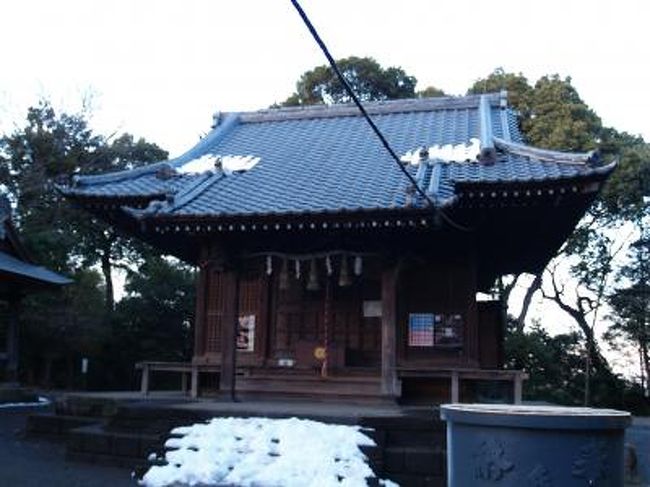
(19, 264)
(16, 267)
(326, 159)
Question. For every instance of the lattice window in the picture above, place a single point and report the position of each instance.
(214, 312)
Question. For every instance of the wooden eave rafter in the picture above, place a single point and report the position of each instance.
(471, 194)
(97, 202)
(416, 218)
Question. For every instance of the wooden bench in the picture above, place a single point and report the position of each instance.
(455, 375)
(184, 368)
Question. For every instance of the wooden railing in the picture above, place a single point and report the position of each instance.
(456, 375)
(184, 368)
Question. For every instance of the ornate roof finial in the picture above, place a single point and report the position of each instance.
(216, 119)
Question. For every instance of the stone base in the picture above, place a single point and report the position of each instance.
(11, 392)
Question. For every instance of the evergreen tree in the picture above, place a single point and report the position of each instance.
(631, 304)
(369, 80)
(49, 149)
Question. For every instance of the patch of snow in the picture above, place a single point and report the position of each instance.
(42, 401)
(447, 153)
(209, 163)
(264, 452)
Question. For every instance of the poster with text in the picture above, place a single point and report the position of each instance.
(246, 333)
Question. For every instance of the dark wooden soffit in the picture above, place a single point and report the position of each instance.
(503, 194)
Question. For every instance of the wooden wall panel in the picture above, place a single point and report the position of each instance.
(298, 320)
(439, 286)
(214, 311)
(490, 334)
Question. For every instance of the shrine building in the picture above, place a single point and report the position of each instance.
(323, 271)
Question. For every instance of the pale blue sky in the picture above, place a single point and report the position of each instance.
(159, 69)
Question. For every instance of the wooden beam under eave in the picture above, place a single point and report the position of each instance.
(389, 383)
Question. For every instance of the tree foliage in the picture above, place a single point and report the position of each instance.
(430, 92)
(159, 297)
(49, 149)
(555, 365)
(369, 80)
(630, 303)
(553, 115)
(516, 84)
(46, 151)
(154, 321)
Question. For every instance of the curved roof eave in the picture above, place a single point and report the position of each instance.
(218, 132)
(545, 155)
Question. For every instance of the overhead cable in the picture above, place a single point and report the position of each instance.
(368, 118)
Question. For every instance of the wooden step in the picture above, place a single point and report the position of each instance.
(316, 386)
(56, 425)
(340, 379)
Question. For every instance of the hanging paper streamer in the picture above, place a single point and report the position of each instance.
(269, 265)
(312, 282)
(344, 275)
(284, 276)
(358, 265)
(328, 265)
(297, 269)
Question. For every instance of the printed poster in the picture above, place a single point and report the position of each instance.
(421, 328)
(246, 333)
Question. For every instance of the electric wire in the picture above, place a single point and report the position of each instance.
(356, 100)
(369, 119)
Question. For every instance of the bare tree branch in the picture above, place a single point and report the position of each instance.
(534, 286)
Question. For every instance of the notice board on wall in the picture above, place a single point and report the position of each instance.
(435, 329)
(421, 329)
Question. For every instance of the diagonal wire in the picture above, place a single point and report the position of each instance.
(357, 102)
(439, 211)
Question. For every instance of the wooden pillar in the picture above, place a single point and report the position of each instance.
(12, 339)
(455, 386)
(194, 387)
(326, 325)
(199, 315)
(144, 384)
(518, 387)
(228, 332)
(389, 385)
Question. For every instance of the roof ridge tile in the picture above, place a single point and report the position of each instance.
(373, 108)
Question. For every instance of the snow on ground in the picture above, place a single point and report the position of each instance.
(264, 452)
(42, 401)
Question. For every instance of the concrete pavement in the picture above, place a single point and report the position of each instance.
(38, 463)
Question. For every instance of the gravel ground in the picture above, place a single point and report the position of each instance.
(39, 463)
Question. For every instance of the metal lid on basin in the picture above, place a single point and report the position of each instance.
(524, 416)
